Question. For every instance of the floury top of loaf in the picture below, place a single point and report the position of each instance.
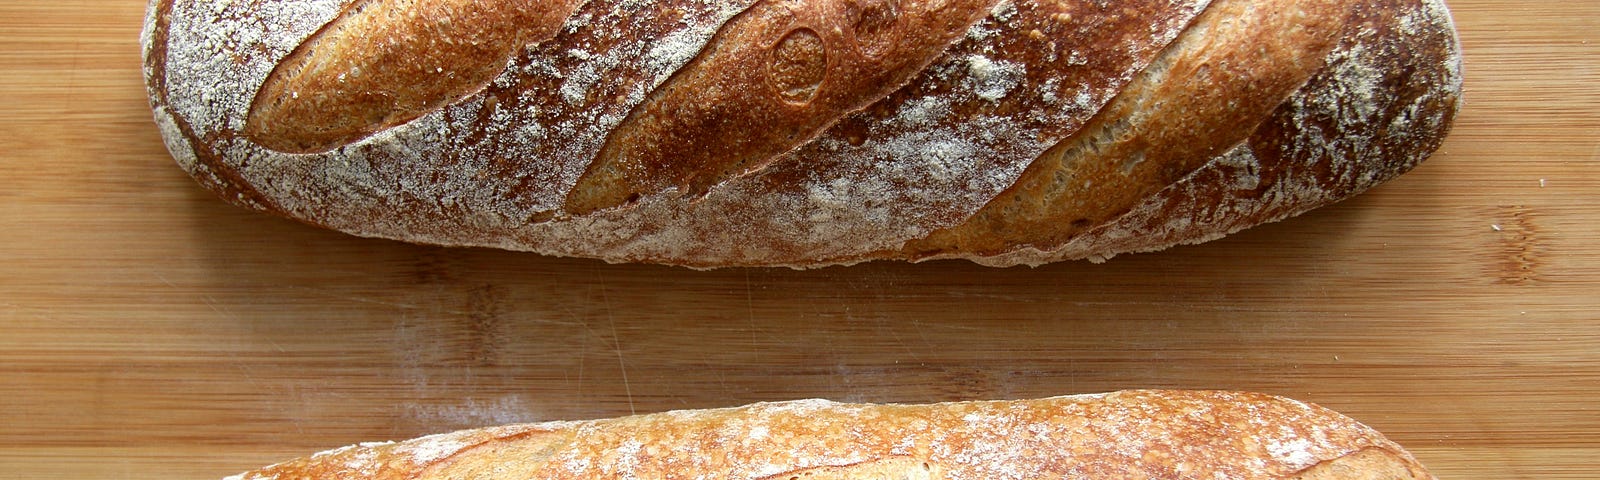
(1130, 434)
(800, 133)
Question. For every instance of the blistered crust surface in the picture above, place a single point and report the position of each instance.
(1137, 434)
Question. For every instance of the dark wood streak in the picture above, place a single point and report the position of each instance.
(484, 326)
(1517, 256)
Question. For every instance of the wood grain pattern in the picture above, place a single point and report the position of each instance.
(148, 330)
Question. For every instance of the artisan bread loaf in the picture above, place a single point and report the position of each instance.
(1134, 434)
(801, 133)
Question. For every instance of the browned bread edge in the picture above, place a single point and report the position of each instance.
(964, 138)
(1131, 434)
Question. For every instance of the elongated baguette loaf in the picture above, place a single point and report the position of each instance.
(1133, 434)
(802, 133)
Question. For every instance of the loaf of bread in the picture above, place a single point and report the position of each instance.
(800, 133)
(1134, 434)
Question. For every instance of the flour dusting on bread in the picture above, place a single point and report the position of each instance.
(1135, 434)
(498, 168)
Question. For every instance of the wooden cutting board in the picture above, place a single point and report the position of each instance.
(147, 330)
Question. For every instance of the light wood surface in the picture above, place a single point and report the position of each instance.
(148, 330)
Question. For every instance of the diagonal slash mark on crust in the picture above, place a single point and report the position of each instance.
(1310, 151)
(338, 86)
(815, 73)
(959, 133)
(1092, 176)
(443, 171)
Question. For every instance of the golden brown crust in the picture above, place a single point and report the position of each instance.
(1389, 91)
(1135, 434)
(771, 80)
(801, 133)
(1206, 93)
(383, 63)
(1368, 464)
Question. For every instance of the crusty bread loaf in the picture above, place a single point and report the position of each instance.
(1133, 434)
(802, 133)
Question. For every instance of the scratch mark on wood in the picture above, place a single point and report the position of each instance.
(616, 344)
(353, 298)
(750, 308)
